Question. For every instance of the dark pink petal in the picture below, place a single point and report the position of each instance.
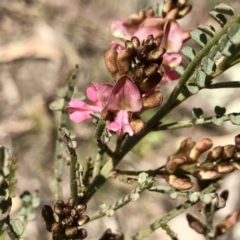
(80, 111)
(103, 93)
(125, 96)
(91, 93)
(121, 124)
(170, 74)
(172, 37)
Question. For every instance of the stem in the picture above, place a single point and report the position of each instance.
(98, 163)
(233, 84)
(123, 201)
(59, 144)
(161, 222)
(189, 123)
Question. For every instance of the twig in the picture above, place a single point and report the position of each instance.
(59, 144)
(161, 222)
(134, 195)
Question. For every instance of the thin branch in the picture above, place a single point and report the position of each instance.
(232, 84)
(134, 195)
(59, 144)
(189, 123)
(161, 222)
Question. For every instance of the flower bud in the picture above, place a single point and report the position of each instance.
(185, 148)
(81, 208)
(179, 183)
(184, 11)
(71, 232)
(173, 163)
(196, 224)
(202, 146)
(237, 142)
(83, 219)
(207, 174)
(137, 125)
(150, 82)
(111, 63)
(57, 230)
(225, 168)
(153, 100)
(48, 217)
(124, 61)
(229, 222)
(214, 154)
(228, 152)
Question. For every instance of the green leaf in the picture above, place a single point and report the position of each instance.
(214, 54)
(192, 88)
(62, 92)
(220, 111)
(208, 65)
(179, 69)
(79, 95)
(56, 105)
(193, 197)
(17, 226)
(197, 113)
(235, 118)
(188, 52)
(217, 121)
(225, 46)
(201, 78)
(199, 37)
(224, 8)
(208, 29)
(234, 33)
(220, 18)
(26, 196)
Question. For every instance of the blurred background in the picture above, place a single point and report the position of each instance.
(40, 42)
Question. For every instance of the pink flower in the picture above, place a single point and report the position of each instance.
(124, 99)
(96, 93)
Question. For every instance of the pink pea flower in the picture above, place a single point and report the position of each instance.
(98, 94)
(124, 99)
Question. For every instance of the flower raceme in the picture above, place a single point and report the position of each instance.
(164, 28)
(116, 103)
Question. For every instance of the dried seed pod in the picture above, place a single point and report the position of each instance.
(70, 232)
(196, 224)
(135, 41)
